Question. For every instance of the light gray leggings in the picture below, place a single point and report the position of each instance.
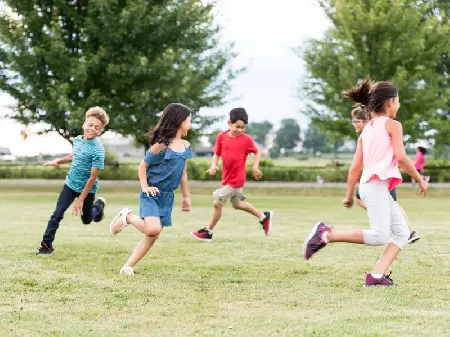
(384, 215)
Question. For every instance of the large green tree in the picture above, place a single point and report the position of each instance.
(288, 135)
(212, 136)
(59, 57)
(315, 140)
(259, 130)
(441, 122)
(389, 40)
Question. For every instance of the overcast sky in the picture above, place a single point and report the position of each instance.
(264, 35)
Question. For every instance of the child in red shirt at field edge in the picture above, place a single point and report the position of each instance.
(234, 146)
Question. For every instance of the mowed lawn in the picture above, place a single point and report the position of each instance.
(242, 284)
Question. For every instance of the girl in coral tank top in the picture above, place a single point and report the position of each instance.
(380, 151)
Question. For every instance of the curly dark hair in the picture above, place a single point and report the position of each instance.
(167, 127)
(372, 94)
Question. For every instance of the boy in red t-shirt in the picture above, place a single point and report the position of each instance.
(234, 146)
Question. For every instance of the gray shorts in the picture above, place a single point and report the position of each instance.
(225, 193)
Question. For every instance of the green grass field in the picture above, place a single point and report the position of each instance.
(243, 284)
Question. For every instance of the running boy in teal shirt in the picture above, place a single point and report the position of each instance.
(87, 159)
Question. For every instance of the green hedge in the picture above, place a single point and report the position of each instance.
(439, 172)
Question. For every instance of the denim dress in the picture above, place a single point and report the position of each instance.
(164, 172)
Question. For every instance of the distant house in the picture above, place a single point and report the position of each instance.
(5, 154)
(122, 147)
(204, 151)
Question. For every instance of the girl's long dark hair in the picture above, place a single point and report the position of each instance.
(167, 127)
(371, 94)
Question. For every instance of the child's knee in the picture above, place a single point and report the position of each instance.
(376, 237)
(237, 205)
(153, 236)
(217, 204)
(153, 231)
(400, 238)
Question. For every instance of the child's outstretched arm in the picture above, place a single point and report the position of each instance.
(59, 161)
(395, 130)
(142, 173)
(353, 175)
(78, 208)
(214, 165)
(256, 172)
(186, 199)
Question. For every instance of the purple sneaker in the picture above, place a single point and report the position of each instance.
(384, 280)
(314, 242)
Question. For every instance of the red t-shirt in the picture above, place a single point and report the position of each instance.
(234, 152)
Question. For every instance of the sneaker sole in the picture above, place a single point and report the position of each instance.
(270, 224)
(414, 239)
(311, 234)
(200, 239)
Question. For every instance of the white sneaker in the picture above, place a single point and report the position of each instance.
(119, 222)
(126, 270)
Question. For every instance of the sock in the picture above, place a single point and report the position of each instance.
(209, 231)
(262, 218)
(377, 275)
(325, 237)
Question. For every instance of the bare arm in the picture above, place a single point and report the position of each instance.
(142, 173)
(214, 165)
(59, 161)
(256, 172)
(215, 160)
(142, 170)
(91, 181)
(78, 208)
(184, 183)
(66, 159)
(353, 174)
(395, 130)
(256, 160)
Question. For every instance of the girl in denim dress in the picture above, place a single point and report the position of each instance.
(160, 173)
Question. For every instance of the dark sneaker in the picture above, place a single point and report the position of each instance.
(101, 203)
(202, 235)
(315, 242)
(384, 280)
(413, 237)
(45, 250)
(267, 222)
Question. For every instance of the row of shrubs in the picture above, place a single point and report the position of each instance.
(197, 171)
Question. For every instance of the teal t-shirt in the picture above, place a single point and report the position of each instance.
(86, 155)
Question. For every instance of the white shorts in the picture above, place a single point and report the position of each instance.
(384, 215)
